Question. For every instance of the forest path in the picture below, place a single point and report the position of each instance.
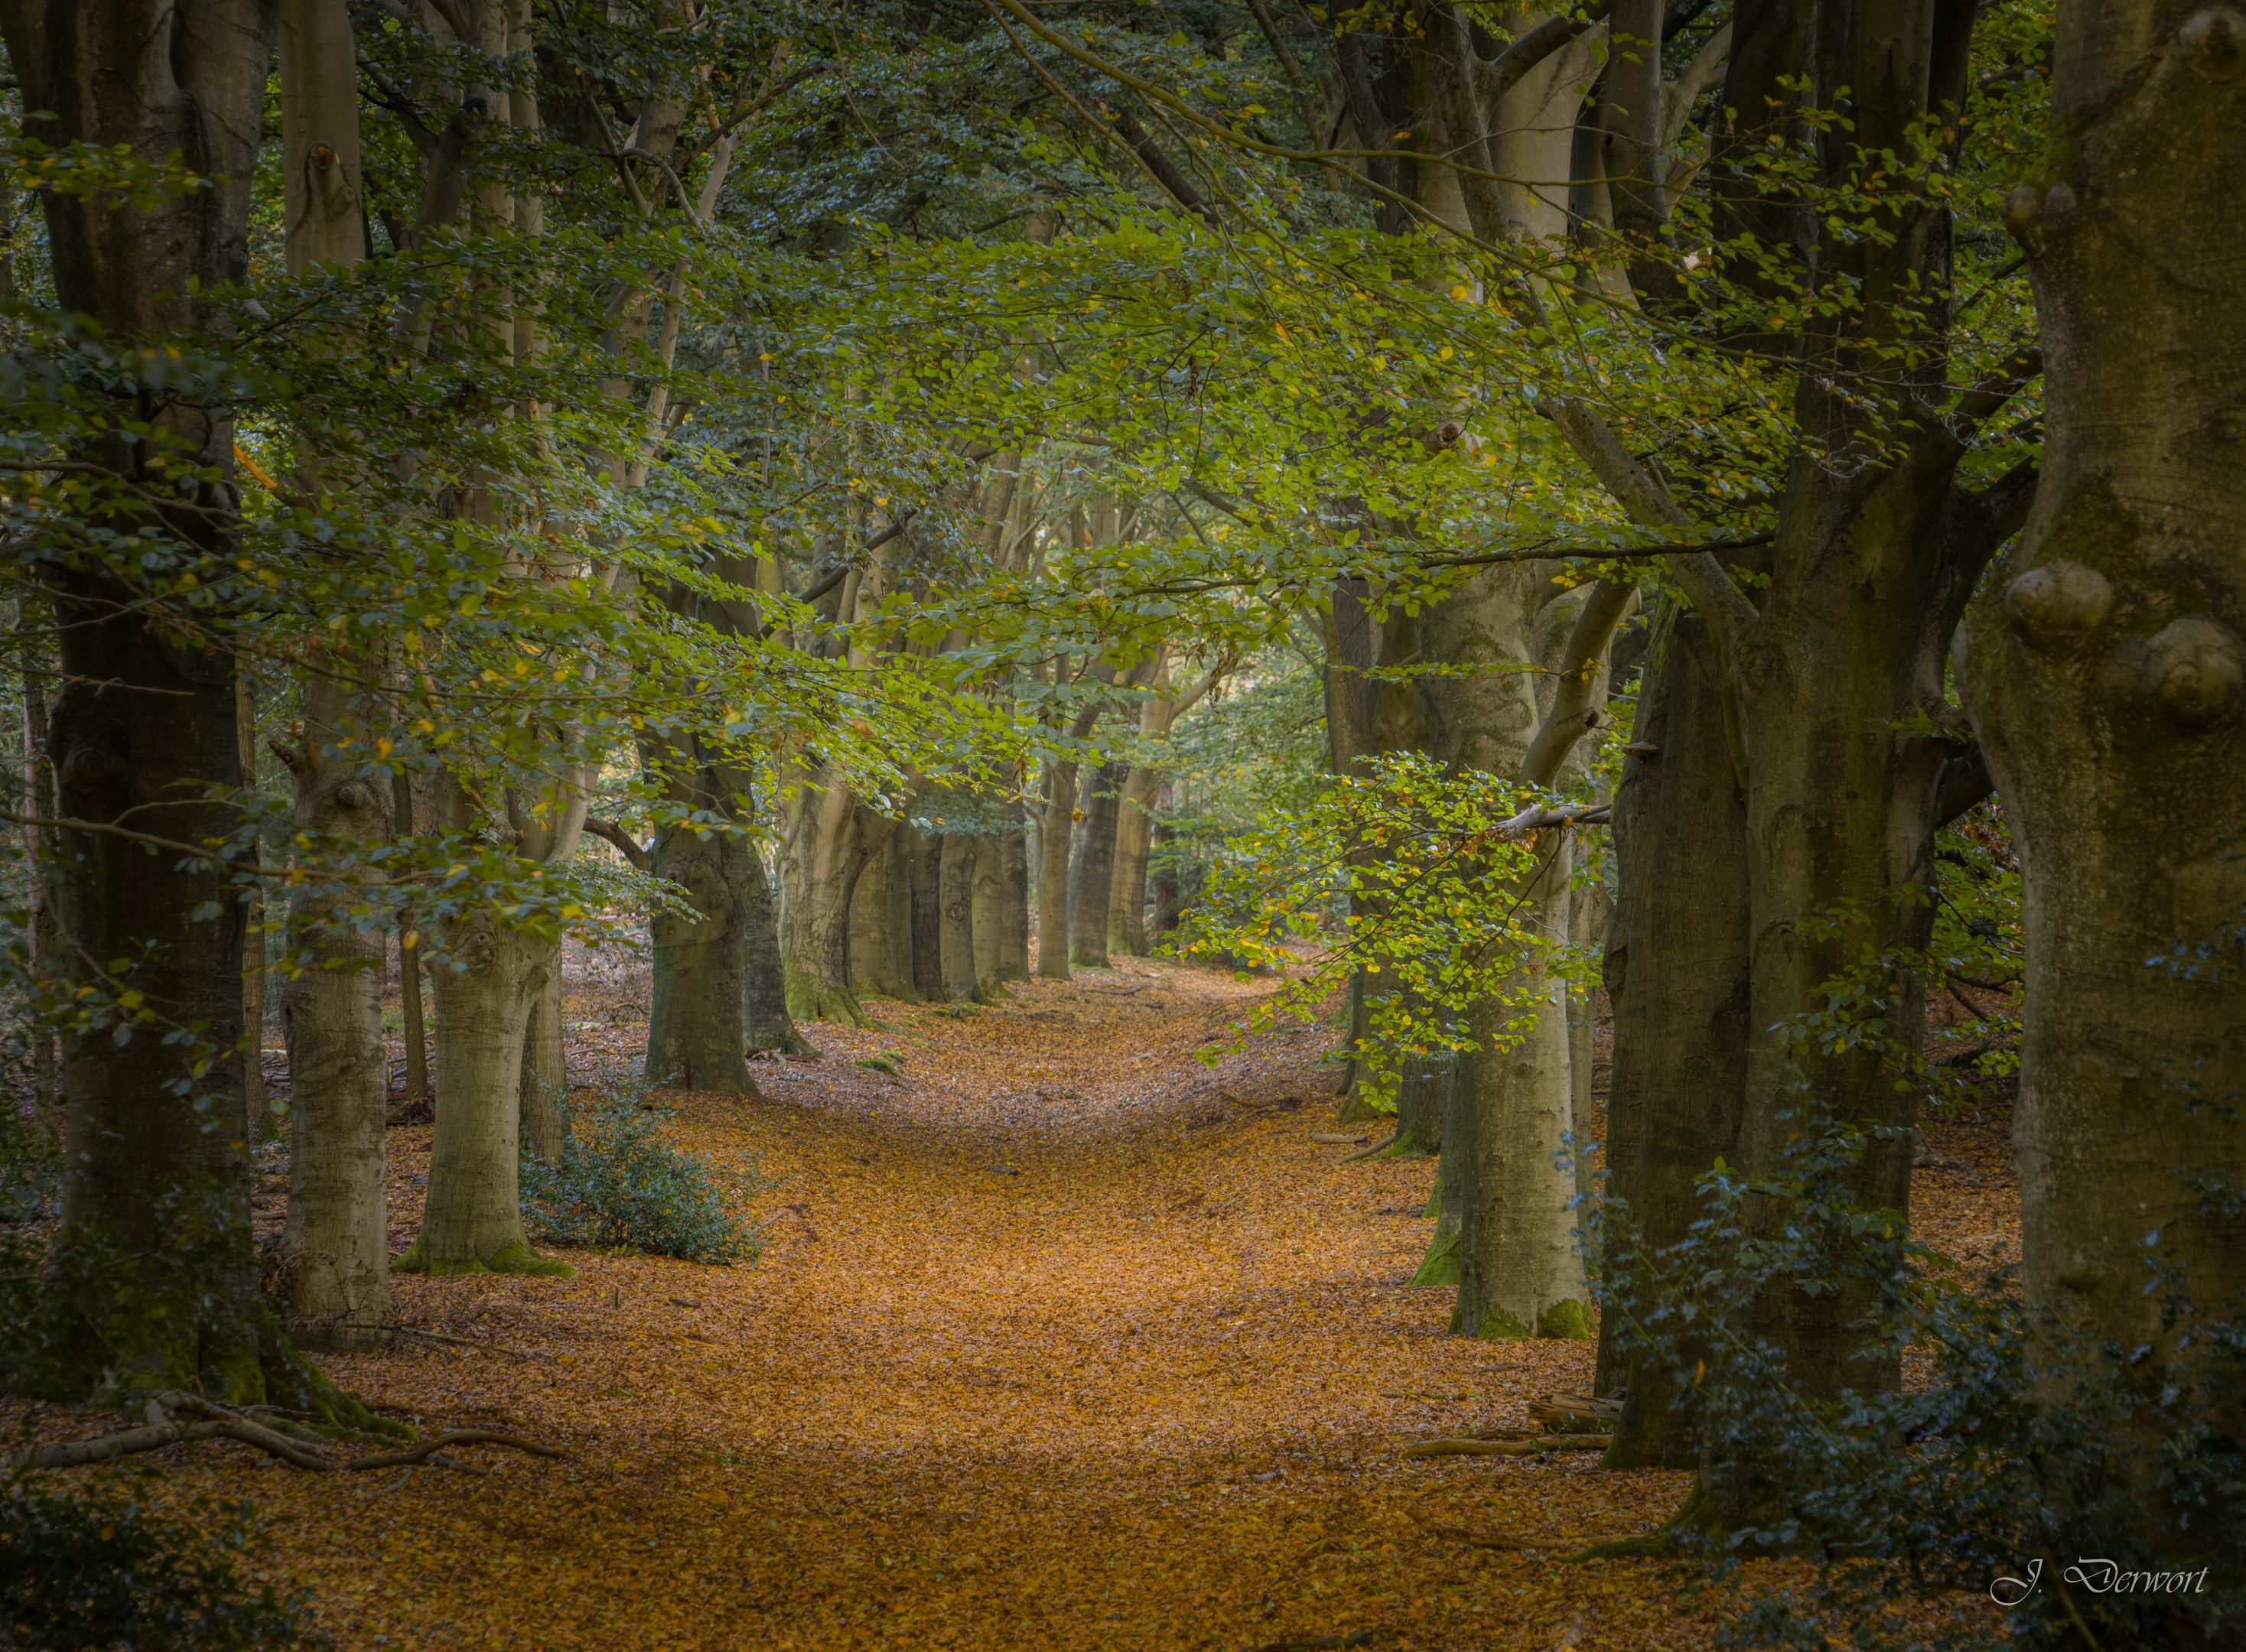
(1060, 1340)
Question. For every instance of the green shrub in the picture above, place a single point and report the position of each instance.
(98, 1572)
(30, 1169)
(619, 1186)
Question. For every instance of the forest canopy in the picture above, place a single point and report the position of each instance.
(1721, 522)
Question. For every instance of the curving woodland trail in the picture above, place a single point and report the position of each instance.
(1059, 1340)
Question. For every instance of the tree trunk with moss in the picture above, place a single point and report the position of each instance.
(335, 1245)
(876, 949)
(486, 987)
(1519, 1272)
(2105, 667)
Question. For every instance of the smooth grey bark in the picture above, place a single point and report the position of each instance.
(766, 1024)
(335, 1244)
(956, 909)
(1518, 1271)
(987, 906)
(830, 838)
(1091, 880)
(875, 947)
(542, 1097)
(896, 956)
(2106, 675)
(144, 720)
(1134, 842)
(495, 976)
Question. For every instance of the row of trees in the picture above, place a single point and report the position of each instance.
(863, 442)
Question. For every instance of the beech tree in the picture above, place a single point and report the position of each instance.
(2105, 679)
(145, 725)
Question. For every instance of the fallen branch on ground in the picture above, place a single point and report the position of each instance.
(455, 1436)
(1374, 1150)
(1332, 1139)
(471, 1341)
(224, 1422)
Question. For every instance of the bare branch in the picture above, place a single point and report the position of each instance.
(1574, 707)
(610, 832)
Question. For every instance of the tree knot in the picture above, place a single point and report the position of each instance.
(2054, 608)
(2214, 43)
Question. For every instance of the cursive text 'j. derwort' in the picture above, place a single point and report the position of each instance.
(2107, 1577)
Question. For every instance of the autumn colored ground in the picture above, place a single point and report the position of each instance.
(1058, 1340)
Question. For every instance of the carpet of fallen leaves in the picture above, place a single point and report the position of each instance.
(1059, 1339)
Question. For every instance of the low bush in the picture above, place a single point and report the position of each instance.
(620, 1186)
(99, 1572)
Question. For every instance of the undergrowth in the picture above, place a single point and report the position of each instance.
(100, 1571)
(619, 1186)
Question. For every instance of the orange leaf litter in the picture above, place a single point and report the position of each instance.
(1058, 1340)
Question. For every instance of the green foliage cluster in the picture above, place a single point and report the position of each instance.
(100, 1571)
(1403, 875)
(619, 1186)
(2037, 1463)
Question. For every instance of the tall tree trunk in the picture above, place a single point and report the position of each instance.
(956, 900)
(897, 928)
(696, 1038)
(925, 851)
(1093, 879)
(335, 1245)
(765, 1018)
(988, 906)
(1676, 971)
(541, 1101)
(829, 847)
(1519, 1272)
(155, 1152)
(39, 802)
(876, 949)
(409, 958)
(2107, 677)
(1134, 841)
(1014, 905)
(496, 975)
(1056, 829)
(471, 1217)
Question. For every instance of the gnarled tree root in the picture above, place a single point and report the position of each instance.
(214, 1421)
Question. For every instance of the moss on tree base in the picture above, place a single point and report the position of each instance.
(514, 1257)
(1442, 1266)
(1565, 1321)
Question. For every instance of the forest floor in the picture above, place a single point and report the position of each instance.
(1059, 1339)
